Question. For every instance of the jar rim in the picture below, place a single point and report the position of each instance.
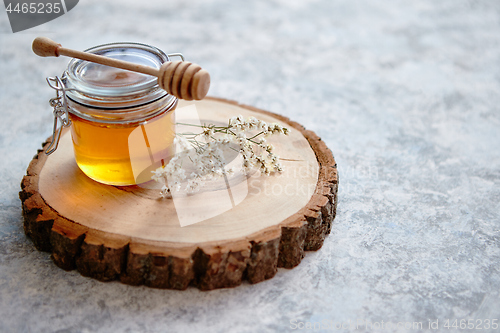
(107, 87)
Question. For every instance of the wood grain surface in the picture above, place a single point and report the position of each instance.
(130, 234)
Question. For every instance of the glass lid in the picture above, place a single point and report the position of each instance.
(108, 87)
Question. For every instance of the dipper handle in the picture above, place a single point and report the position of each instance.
(182, 79)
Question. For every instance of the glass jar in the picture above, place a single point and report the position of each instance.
(122, 123)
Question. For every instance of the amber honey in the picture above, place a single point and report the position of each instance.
(122, 154)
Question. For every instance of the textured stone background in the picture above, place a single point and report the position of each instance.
(405, 93)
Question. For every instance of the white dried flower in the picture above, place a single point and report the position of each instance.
(207, 157)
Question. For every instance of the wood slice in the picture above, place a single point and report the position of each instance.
(131, 234)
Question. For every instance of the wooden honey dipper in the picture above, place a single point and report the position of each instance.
(182, 79)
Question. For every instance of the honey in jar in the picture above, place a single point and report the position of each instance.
(122, 122)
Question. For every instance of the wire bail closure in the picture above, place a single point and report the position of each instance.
(61, 111)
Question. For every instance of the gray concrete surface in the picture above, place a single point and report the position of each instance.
(405, 93)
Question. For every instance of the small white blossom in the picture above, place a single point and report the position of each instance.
(208, 132)
(262, 125)
(233, 121)
(251, 122)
